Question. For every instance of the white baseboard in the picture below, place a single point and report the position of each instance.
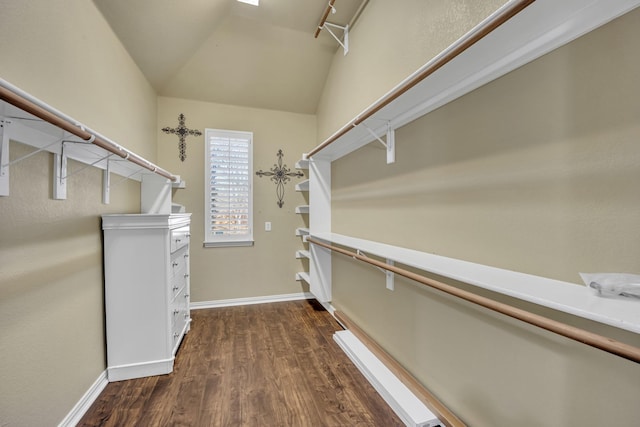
(251, 300)
(403, 402)
(140, 370)
(85, 402)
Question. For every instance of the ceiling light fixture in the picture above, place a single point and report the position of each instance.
(253, 2)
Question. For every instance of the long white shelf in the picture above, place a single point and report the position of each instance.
(540, 28)
(558, 295)
(302, 209)
(24, 127)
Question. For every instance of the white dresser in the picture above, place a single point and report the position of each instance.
(146, 267)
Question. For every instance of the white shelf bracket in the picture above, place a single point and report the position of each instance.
(345, 38)
(60, 175)
(390, 276)
(4, 158)
(106, 183)
(389, 144)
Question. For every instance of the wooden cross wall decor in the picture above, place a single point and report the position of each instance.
(280, 174)
(182, 131)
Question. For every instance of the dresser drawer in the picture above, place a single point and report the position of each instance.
(179, 316)
(178, 284)
(179, 238)
(178, 265)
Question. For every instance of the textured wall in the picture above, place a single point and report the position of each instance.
(51, 282)
(389, 42)
(534, 172)
(268, 267)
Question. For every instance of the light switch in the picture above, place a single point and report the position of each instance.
(267, 226)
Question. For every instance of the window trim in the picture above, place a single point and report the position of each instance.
(225, 241)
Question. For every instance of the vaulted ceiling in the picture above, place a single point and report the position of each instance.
(229, 52)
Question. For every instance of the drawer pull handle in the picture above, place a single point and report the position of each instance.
(186, 316)
(175, 288)
(186, 295)
(186, 255)
(174, 263)
(186, 275)
(176, 335)
(176, 311)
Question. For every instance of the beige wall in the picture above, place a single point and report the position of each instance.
(535, 172)
(269, 267)
(65, 54)
(391, 40)
(51, 286)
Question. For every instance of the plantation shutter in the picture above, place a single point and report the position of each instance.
(229, 197)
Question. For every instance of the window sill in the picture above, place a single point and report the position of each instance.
(227, 244)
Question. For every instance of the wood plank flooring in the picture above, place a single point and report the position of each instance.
(256, 365)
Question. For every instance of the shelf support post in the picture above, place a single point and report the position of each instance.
(4, 158)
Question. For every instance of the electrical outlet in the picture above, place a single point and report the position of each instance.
(267, 226)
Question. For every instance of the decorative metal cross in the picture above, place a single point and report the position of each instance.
(182, 131)
(280, 174)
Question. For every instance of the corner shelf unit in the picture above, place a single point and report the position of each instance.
(303, 232)
(482, 55)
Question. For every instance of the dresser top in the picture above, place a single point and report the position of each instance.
(137, 221)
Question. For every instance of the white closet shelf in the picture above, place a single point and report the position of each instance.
(303, 209)
(61, 138)
(303, 185)
(302, 163)
(567, 297)
(303, 276)
(303, 254)
(540, 28)
(302, 231)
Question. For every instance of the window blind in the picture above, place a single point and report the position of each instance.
(228, 190)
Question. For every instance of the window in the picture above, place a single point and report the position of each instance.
(228, 188)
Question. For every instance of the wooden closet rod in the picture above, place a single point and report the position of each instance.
(33, 108)
(609, 345)
(431, 67)
(324, 18)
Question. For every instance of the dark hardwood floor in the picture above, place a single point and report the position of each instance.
(256, 365)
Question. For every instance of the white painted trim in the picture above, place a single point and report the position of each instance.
(85, 402)
(404, 403)
(140, 370)
(250, 300)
